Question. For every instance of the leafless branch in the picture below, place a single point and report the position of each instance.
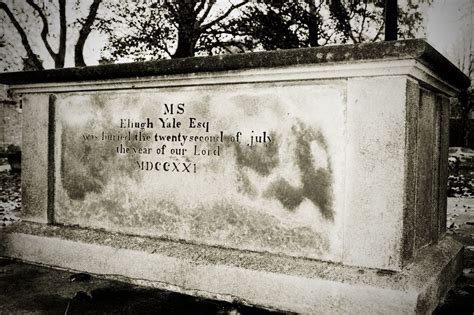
(84, 33)
(379, 32)
(206, 12)
(223, 16)
(363, 19)
(24, 38)
(45, 30)
(61, 56)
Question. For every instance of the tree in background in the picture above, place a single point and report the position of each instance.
(317, 23)
(170, 29)
(270, 26)
(3, 44)
(463, 105)
(183, 29)
(141, 30)
(24, 20)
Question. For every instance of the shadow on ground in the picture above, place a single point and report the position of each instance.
(460, 299)
(33, 289)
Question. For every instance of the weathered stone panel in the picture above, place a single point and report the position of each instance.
(264, 171)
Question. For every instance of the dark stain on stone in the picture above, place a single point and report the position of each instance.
(87, 165)
(79, 186)
(98, 100)
(289, 196)
(245, 185)
(166, 219)
(316, 183)
(255, 230)
(78, 176)
(115, 209)
(262, 159)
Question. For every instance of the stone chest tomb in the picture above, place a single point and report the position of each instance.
(309, 180)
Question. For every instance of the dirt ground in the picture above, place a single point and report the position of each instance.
(32, 289)
(10, 194)
(29, 289)
(460, 222)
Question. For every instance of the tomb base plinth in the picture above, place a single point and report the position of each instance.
(266, 280)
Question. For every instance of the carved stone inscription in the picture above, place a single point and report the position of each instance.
(250, 167)
(153, 140)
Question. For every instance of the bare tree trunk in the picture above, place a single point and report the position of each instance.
(391, 15)
(61, 55)
(186, 44)
(465, 129)
(313, 25)
(84, 33)
(464, 112)
(31, 56)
